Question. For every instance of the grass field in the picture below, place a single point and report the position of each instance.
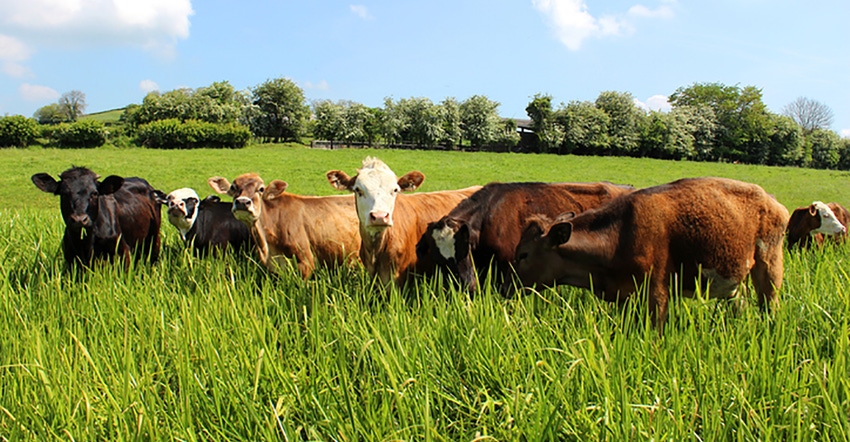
(218, 349)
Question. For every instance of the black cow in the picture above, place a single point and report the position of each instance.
(208, 224)
(115, 216)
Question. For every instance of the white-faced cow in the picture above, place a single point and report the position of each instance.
(811, 223)
(391, 223)
(714, 230)
(487, 226)
(115, 216)
(311, 229)
(206, 224)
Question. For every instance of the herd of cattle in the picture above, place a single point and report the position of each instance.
(707, 233)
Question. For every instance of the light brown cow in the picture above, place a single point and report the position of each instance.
(391, 223)
(811, 223)
(714, 230)
(312, 229)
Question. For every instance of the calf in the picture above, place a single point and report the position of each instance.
(311, 229)
(710, 229)
(115, 216)
(392, 223)
(206, 225)
(815, 221)
(487, 226)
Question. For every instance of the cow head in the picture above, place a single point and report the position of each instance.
(182, 209)
(829, 224)
(78, 189)
(248, 192)
(375, 188)
(537, 250)
(447, 242)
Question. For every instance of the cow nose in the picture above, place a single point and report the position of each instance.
(241, 204)
(380, 218)
(80, 219)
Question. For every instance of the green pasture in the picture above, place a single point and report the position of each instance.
(218, 349)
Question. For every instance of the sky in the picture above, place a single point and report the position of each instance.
(116, 51)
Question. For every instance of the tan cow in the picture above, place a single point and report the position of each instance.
(391, 223)
(312, 229)
(712, 229)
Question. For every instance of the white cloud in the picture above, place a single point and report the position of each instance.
(148, 86)
(12, 49)
(573, 23)
(361, 11)
(845, 133)
(642, 11)
(34, 92)
(155, 25)
(320, 86)
(15, 70)
(655, 102)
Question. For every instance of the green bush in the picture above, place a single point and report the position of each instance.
(80, 134)
(174, 134)
(18, 131)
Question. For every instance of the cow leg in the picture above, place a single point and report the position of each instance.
(766, 275)
(659, 297)
(305, 265)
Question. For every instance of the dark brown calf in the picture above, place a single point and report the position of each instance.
(811, 223)
(116, 216)
(712, 230)
(487, 226)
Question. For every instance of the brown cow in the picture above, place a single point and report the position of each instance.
(312, 229)
(391, 223)
(816, 220)
(711, 229)
(487, 225)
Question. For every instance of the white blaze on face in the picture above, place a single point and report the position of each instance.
(829, 224)
(445, 241)
(183, 209)
(376, 189)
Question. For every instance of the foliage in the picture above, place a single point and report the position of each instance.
(50, 114)
(584, 128)
(192, 134)
(548, 134)
(624, 124)
(452, 130)
(479, 120)
(217, 103)
(79, 134)
(278, 110)
(18, 131)
(825, 146)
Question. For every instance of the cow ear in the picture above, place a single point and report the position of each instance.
(212, 199)
(45, 183)
(274, 190)
(340, 180)
(160, 197)
(559, 233)
(219, 184)
(411, 181)
(110, 184)
(462, 241)
(813, 210)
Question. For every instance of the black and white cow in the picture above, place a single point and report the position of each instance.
(207, 224)
(115, 216)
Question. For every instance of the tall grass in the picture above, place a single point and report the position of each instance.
(217, 349)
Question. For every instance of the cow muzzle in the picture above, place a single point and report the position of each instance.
(380, 219)
(80, 220)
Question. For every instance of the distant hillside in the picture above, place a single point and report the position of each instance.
(110, 116)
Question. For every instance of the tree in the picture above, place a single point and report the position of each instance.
(280, 112)
(786, 143)
(50, 114)
(625, 120)
(329, 121)
(825, 147)
(479, 120)
(73, 104)
(584, 128)
(452, 132)
(539, 110)
(809, 114)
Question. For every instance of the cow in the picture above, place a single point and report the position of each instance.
(714, 230)
(104, 218)
(391, 222)
(811, 223)
(206, 224)
(487, 226)
(313, 230)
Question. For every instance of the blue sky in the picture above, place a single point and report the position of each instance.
(115, 51)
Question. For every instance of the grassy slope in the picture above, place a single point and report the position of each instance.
(216, 349)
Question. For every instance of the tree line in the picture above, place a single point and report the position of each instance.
(706, 122)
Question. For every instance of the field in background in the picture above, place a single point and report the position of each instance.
(218, 349)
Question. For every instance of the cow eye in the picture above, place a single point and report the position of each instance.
(261, 189)
(358, 191)
(233, 188)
